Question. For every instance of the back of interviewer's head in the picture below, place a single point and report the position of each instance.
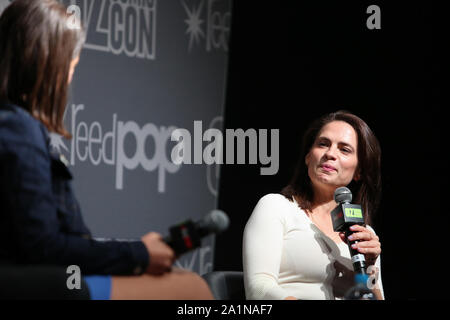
(38, 42)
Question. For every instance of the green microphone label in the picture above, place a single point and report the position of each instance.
(353, 213)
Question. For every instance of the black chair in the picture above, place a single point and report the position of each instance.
(226, 285)
(40, 282)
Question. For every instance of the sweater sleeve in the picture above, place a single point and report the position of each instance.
(262, 249)
(33, 231)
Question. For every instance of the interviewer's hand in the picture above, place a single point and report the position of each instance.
(368, 242)
(161, 255)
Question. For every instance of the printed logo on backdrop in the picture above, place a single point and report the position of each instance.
(208, 24)
(198, 260)
(90, 143)
(126, 27)
(109, 144)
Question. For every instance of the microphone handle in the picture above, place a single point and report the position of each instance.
(167, 240)
(358, 259)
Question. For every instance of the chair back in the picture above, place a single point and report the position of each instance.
(226, 285)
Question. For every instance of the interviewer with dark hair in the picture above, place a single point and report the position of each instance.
(290, 250)
(40, 219)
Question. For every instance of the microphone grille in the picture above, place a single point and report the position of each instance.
(217, 220)
(342, 194)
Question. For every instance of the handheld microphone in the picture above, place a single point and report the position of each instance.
(186, 236)
(343, 217)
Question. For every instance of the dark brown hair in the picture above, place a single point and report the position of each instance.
(367, 190)
(37, 45)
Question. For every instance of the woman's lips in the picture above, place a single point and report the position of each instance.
(328, 167)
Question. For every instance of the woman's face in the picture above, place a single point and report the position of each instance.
(333, 159)
(73, 64)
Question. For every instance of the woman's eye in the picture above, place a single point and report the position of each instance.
(346, 150)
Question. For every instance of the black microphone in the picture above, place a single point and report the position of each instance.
(343, 217)
(186, 236)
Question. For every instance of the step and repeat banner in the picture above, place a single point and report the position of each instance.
(148, 67)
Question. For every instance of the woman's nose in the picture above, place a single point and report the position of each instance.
(331, 153)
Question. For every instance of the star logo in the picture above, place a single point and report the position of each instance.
(194, 23)
(56, 142)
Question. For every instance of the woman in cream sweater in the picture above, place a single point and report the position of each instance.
(290, 250)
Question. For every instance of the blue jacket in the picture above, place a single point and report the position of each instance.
(40, 219)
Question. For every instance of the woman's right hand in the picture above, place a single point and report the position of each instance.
(161, 255)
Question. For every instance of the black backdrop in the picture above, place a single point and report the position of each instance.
(292, 61)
